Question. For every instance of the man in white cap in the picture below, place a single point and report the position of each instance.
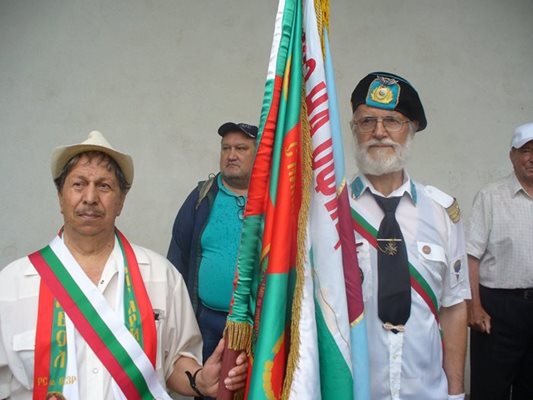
(499, 242)
(91, 316)
(411, 252)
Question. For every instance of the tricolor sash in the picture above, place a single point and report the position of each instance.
(418, 283)
(125, 343)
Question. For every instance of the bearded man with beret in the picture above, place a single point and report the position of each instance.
(411, 252)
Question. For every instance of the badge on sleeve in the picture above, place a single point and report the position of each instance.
(457, 269)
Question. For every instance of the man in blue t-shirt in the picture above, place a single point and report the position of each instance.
(206, 232)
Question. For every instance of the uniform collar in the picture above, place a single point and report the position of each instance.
(361, 184)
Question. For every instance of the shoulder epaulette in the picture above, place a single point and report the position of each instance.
(446, 201)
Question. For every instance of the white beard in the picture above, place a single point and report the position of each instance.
(381, 162)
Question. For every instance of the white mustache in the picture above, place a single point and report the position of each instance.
(376, 142)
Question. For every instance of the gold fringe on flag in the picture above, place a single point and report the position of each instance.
(238, 336)
(322, 20)
(307, 178)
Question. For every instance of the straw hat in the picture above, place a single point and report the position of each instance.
(95, 142)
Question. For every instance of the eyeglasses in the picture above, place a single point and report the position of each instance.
(241, 202)
(391, 124)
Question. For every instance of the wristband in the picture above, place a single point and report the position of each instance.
(192, 381)
(460, 396)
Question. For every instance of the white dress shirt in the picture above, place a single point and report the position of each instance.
(408, 366)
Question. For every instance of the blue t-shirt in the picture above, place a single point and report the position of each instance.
(220, 244)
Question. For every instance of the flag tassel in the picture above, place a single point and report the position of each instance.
(238, 336)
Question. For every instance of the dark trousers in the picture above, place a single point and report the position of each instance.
(212, 324)
(502, 362)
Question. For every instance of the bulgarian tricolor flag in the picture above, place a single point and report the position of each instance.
(297, 295)
(332, 358)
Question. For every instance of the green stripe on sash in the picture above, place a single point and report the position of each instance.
(58, 352)
(132, 315)
(100, 328)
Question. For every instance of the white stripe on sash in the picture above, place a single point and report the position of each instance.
(110, 318)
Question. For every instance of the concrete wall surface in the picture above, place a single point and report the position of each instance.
(158, 77)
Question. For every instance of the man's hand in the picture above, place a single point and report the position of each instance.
(208, 377)
(478, 318)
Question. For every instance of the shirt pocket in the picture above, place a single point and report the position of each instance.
(24, 348)
(433, 259)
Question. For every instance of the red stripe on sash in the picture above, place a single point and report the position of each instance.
(43, 339)
(364, 233)
(425, 296)
(84, 328)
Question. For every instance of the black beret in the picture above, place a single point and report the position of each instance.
(389, 92)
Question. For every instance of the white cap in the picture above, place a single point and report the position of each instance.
(522, 135)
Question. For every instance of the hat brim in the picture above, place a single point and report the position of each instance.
(516, 144)
(61, 156)
(233, 127)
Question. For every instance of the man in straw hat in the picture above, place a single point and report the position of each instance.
(411, 252)
(91, 316)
